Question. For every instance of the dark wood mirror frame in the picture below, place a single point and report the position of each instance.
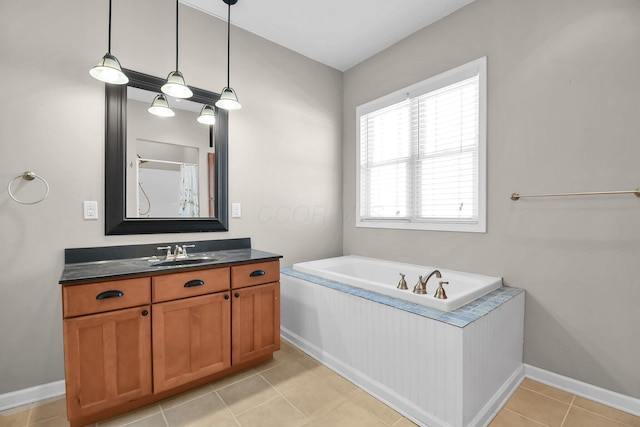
(116, 221)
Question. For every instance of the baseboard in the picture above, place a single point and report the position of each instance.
(606, 397)
(495, 404)
(31, 394)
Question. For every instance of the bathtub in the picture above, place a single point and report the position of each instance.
(438, 368)
(383, 276)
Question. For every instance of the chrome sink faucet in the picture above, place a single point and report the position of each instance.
(165, 248)
(181, 251)
(178, 252)
(421, 286)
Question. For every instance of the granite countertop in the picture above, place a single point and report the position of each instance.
(87, 264)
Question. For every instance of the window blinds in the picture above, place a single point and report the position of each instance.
(419, 157)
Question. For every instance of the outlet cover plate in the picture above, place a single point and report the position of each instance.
(236, 210)
(90, 209)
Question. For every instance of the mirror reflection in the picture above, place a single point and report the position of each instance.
(170, 160)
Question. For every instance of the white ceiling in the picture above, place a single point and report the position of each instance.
(337, 33)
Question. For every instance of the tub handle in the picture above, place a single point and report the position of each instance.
(257, 273)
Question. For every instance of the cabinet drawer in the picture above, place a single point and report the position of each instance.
(189, 283)
(105, 296)
(255, 274)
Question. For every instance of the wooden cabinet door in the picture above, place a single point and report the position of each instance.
(191, 339)
(107, 359)
(255, 321)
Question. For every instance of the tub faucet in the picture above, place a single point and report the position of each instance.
(402, 284)
(421, 286)
(440, 293)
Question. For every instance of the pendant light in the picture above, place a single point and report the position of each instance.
(108, 69)
(207, 115)
(228, 99)
(175, 85)
(160, 107)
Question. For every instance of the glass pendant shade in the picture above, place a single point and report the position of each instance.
(228, 100)
(176, 87)
(160, 107)
(207, 115)
(108, 70)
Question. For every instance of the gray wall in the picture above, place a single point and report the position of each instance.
(563, 116)
(285, 150)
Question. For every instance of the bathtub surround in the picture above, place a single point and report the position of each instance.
(562, 117)
(461, 317)
(455, 371)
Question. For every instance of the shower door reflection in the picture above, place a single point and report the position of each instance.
(168, 188)
(169, 169)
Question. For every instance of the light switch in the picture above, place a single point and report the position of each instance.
(90, 209)
(236, 210)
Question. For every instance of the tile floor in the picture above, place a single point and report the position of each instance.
(295, 390)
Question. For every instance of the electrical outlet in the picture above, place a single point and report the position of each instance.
(236, 210)
(90, 209)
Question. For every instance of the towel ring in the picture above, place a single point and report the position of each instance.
(29, 176)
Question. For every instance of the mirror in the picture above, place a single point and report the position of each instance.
(163, 174)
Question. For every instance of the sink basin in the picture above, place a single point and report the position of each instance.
(184, 261)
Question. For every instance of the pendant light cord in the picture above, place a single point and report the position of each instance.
(228, 41)
(109, 42)
(177, 3)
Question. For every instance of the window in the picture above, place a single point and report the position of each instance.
(422, 154)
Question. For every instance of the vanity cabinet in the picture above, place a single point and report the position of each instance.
(107, 354)
(255, 310)
(256, 321)
(131, 342)
(191, 334)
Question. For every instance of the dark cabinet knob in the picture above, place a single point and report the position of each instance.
(145, 312)
(237, 295)
(227, 297)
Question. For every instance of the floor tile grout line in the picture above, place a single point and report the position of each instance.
(319, 378)
(624, 423)
(550, 397)
(235, 418)
(568, 410)
(285, 399)
(183, 403)
(296, 408)
(524, 416)
(234, 382)
(29, 416)
(572, 404)
(137, 419)
(164, 417)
